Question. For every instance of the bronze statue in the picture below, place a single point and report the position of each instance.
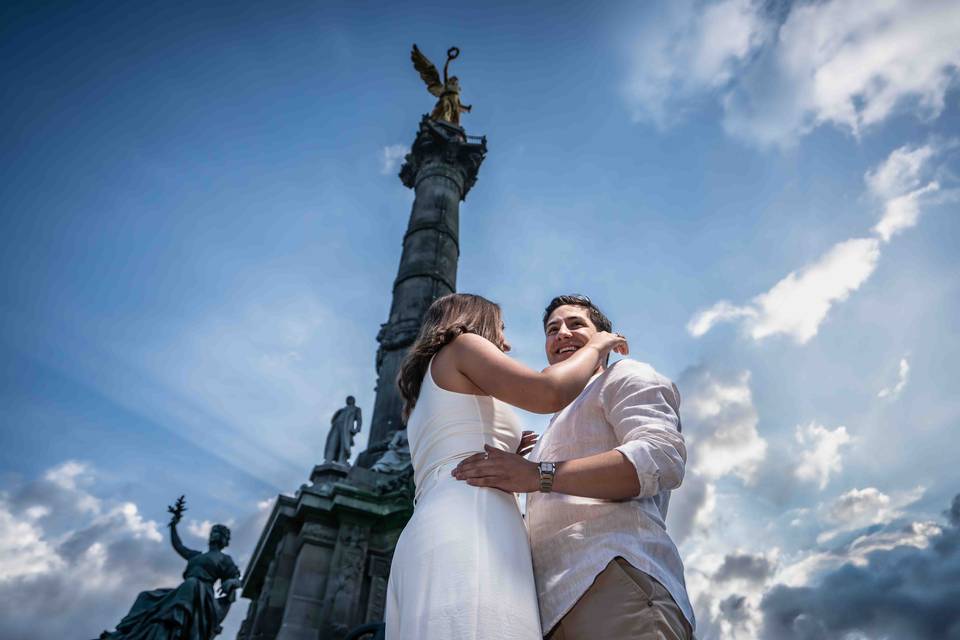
(344, 424)
(190, 610)
(448, 106)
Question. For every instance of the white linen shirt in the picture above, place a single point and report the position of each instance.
(633, 409)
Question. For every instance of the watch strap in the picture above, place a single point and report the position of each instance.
(547, 472)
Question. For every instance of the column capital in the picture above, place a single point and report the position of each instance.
(444, 150)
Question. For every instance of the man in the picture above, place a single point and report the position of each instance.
(603, 470)
(344, 424)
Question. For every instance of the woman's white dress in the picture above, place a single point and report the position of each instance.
(462, 567)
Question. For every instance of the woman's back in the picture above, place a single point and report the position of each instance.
(447, 426)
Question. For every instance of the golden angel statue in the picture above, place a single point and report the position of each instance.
(448, 106)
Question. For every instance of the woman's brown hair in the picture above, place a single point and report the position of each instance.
(447, 318)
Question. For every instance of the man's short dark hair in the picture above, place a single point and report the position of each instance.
(597, 317)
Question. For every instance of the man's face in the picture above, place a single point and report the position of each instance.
(568, 328)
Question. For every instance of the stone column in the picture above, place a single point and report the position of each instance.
(441, 168)
(303, 615)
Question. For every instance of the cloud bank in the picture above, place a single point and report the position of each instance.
(904, 585)
(779, 74)
(72, 563)
(798, 304)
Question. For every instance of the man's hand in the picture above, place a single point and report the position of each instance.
(498, 469)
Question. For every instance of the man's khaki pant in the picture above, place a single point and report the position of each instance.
(623, 602)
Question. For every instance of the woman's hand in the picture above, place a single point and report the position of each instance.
(527, 441)
(605, 342)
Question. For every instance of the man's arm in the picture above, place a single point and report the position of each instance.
(643, 408)
(643, 411)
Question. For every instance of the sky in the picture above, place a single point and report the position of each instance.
(202, 220)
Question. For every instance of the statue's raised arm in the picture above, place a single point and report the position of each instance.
(448, 107)
(177, 514)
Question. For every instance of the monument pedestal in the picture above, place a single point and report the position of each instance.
(321, 565)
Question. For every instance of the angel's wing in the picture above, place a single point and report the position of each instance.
(427, 71)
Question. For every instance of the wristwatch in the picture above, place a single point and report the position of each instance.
(547, 471)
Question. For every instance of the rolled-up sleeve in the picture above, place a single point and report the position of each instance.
(643, 408)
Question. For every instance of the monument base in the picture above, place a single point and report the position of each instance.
(321, 565)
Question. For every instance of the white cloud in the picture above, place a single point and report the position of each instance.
(720, 423)
(842, 63)
(200, 529)
(820, 457)
(722, 311)
(692, 508)
(23, 549)
(848, 64)
(861, 508)
(67, 474)
(902, 212)
(900, 173)
(70, 476)
(902, 378)
(691, 48)
(798, 304)
(898, 183)
(806, 567)
(391, 156)
(134, 522)
(726, 588)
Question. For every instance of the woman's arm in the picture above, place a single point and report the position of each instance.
(547, 391)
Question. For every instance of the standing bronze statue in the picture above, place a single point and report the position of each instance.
(448, 106)
(190, 611)
(344, 424)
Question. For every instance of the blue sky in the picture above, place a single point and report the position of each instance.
(201, 221)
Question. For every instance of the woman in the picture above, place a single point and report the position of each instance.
(462, 566)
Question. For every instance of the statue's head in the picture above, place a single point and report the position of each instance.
(220, 536)
(351, 400)
(453, 82)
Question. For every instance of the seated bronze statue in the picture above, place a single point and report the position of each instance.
(190, 611)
